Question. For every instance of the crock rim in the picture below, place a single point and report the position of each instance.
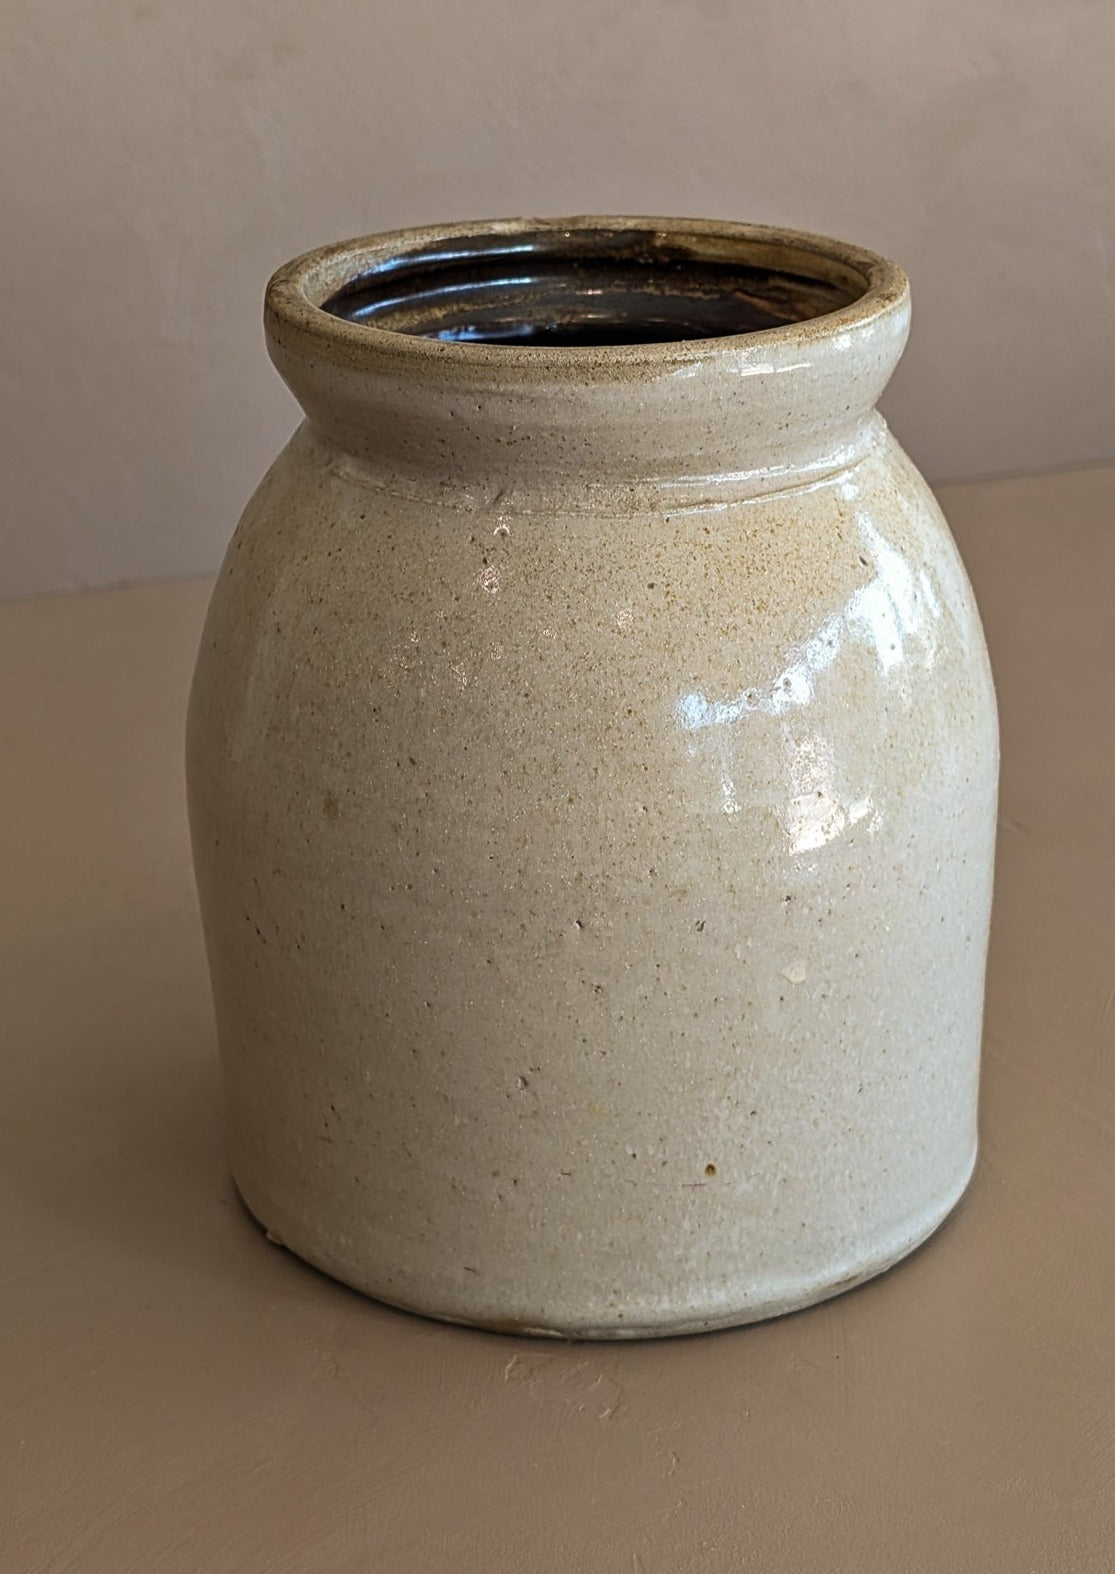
(296, 294)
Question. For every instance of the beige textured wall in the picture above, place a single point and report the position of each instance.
(159, 159)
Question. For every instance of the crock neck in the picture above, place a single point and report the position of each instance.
(482, 357)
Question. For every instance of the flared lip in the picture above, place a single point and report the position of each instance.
(296, 317)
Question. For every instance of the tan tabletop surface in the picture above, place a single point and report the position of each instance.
(176, 1394)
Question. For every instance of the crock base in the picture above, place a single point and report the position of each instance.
(659, 1323)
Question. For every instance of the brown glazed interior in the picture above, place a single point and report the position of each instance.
(597, 286)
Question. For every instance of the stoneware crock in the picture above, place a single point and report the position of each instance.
(592, 773)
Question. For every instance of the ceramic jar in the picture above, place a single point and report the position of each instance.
(592, 775)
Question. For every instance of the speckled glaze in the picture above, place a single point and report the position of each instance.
(592, 773)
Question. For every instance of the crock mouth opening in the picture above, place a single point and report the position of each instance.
(546, 291)
(587, 287)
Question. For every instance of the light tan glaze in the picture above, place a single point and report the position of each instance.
(593, 765)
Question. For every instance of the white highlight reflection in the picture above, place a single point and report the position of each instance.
(889, 613)
(815, 813)
(884, 614)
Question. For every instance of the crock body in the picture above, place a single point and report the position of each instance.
(595, 855)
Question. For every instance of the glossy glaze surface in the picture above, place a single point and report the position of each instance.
(592, 780)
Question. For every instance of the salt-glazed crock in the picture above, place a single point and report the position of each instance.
(592, 772)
